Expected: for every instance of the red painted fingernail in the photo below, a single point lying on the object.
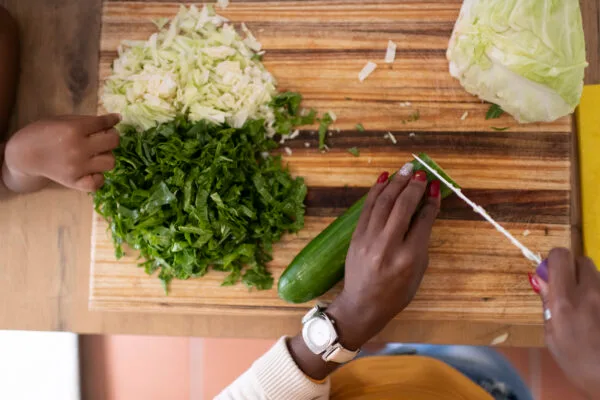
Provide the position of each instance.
(420, 176)
(534, 283)
(383, 177)
(434, 189)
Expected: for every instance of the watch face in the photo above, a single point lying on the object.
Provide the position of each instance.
(318, 333)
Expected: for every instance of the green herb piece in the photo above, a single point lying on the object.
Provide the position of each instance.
(194, 196)
(289, 114)
(348, 98)
(414, 116)
(354, 151)
(326, 122)
(500, 129)
(360, 127)
(495, 111)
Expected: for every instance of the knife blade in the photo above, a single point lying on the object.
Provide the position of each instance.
(530, 255)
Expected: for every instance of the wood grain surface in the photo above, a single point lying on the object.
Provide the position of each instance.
(521, 175)
(45, 240)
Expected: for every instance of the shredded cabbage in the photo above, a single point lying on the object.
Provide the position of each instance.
(527, 56)
(198, 66)
(390, 54)
(366, 71)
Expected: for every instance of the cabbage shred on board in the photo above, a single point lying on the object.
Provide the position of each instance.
(527, 56)
(199, 67)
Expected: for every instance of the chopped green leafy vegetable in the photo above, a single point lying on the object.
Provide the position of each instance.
(414, 116)
(288, 114)
(495, 111)
(193, 196)
(326, 121)
(354, 151)
(360, 127)
(500, 129)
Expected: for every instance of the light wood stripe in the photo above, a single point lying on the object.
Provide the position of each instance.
(486, 274)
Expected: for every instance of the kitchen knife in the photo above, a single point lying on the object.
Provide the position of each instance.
(530, 255)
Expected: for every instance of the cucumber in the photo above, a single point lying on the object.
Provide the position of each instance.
(320, 265)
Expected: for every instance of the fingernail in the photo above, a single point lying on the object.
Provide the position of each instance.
(383, 177)
(534, 283)
(420, 176)
(407, 169)
(434, 189)
(542, 270)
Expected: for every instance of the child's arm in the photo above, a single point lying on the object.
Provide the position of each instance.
(9, 68)
(73, 151)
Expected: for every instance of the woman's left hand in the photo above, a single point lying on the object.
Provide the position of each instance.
(386, 261)
(388, 255)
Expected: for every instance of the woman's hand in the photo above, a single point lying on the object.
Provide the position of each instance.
(388, 255)
(73, 151)
(385, 263)
(573, 332)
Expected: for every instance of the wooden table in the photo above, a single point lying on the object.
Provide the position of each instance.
(44, 245)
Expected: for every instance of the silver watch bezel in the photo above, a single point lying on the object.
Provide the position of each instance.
(317, 312)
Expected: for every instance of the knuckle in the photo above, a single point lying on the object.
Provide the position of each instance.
(594, 298)
(115, 140)
(386, 199)
(97, 185)
(560, 252)
(407, 259)
(74, 152)
(362, 252)
(405, 207)
(429, 211)
(376, 259)
(69, 129)
(563, 306)
(582, 260)
(111, 162)
(72, 169)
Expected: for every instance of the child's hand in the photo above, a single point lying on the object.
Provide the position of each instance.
(73, 151)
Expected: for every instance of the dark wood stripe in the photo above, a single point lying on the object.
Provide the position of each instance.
(281, 29)
(543, 206)
(349, 54)
(514, 144)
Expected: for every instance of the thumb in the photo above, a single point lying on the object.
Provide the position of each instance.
(89, 183)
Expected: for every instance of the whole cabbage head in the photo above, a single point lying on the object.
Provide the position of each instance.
(527, 56)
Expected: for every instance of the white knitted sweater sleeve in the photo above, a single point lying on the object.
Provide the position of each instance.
(275, 376)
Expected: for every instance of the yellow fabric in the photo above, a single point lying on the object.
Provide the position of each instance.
(402, 378)
(588, 124)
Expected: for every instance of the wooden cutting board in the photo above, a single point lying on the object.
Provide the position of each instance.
(521, 175)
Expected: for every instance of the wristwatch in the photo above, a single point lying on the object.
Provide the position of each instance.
(321, 337)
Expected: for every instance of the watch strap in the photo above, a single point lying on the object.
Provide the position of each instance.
(338, 354)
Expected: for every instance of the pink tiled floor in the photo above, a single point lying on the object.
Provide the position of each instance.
(154, 368)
